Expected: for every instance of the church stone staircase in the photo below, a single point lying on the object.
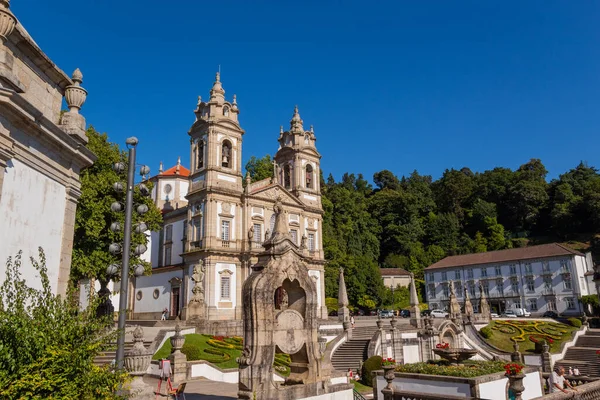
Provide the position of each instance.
(583, 354)
(353, 353)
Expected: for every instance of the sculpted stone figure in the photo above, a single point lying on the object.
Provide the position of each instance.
(198, 278)
(251, 232)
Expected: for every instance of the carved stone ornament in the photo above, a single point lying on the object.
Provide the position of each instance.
(75, 95)
(226, 207)
(198, 278)
(7, 20)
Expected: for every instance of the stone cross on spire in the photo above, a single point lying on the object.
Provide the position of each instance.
(296, 122)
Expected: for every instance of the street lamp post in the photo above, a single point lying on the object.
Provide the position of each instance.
(115, 248)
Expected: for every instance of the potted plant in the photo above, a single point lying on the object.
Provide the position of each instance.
(388, 365)
(515, 375)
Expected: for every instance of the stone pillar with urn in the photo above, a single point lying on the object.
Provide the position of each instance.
(137, 361)
(177, 358)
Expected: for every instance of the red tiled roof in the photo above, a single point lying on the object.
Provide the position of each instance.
(500, 256)
(183, 171)
(393, 272)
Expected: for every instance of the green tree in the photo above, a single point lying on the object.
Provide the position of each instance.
(260, 168)
(528, 194)
(94, 216)
(47, 346)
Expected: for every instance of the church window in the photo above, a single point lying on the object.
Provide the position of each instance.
(294, 235)
(225, 287)
(196, 227)
(169, 233)
(309, 176)
(306, 139)
(167, 255)
(225, 230)
(287, 176)
(226, 111)
(185, 227)
(201, 154)
(226, 154)
(311, 242)
(257, 233)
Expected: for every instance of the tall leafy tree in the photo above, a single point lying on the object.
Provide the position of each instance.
(94, 216)
(260, 168)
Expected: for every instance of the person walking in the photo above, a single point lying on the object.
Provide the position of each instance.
(164, 314)
(352, 321)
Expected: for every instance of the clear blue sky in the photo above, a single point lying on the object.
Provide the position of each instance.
(396, 85)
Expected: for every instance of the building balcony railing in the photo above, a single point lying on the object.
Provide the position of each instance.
(225, 243)
(196, 244)
(198, 185)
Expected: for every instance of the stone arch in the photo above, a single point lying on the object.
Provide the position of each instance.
(450, 333)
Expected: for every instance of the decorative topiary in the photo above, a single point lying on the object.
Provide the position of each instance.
(576, 322)
(486, 332)
(191, 351)
(372, 364)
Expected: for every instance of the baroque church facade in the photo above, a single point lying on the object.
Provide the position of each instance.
(216, 220)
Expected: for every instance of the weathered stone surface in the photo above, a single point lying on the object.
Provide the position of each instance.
(280, 315)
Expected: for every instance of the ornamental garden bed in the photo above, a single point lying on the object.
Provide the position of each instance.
(222, 351)
(504, 333)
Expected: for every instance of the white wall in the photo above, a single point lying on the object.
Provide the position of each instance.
(496, 390)
(147, 285)
(84, 293)
(427, 386)
(32, 209)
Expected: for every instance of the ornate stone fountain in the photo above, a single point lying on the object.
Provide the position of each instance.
(455, 355)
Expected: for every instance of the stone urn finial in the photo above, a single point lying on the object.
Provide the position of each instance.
(138, 358)
(75, 95)
(177, 340)
(7, 20)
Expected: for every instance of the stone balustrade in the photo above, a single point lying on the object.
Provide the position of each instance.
(587, 391)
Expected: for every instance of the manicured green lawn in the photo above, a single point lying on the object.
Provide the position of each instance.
(201, 343)
(506, 332)
(219, 351)
(362, 389)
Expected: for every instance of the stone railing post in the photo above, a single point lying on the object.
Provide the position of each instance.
(137, 360)
(177, 358)
(388, 374)
(516, 355)
(546, 358)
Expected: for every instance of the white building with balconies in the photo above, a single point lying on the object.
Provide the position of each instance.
(549, 277)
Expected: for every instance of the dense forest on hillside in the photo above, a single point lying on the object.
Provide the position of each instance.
(412, 221)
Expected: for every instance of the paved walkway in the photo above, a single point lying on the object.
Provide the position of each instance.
(201, 389)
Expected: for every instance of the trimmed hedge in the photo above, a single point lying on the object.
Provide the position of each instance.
(191, 351)
(576, 322)
(372, 364)
(486, 332)
(470, 369)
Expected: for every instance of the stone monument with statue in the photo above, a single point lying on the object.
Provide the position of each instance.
(280, 316)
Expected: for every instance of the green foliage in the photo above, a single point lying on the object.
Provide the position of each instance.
(469, 369)
(47, 346)
(591, 299)
(486, 332)
(94, 216)
(191, 351)
(260, 168)
(372, 364)
(331, 303)
(576, 322)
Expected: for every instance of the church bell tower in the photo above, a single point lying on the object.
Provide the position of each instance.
(298, 162)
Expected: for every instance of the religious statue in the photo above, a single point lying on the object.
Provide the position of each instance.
(198, 278)
(225, 156)
(267, 234)
(303, 242)
(451, 284)
(251, 233)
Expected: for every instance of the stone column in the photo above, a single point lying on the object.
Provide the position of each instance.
(72, 194)
(137, 361)
(177, 358)
(397, 342)
(343, 311)
(415, 310)
(546, 358)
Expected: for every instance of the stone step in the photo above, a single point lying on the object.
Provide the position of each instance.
(588, 341)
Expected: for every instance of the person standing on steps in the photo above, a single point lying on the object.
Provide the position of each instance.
(164, 314)
(352, 321)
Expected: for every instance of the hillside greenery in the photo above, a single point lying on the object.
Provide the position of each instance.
(413, 221)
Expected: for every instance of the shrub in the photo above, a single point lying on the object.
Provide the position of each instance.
(191, 351)
(576, 322)
(468, 370)
(372, 364)
(47, 345)
(486, 332)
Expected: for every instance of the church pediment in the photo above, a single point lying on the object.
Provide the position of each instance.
(274, 191)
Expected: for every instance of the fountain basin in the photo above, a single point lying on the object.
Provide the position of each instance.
(455, 355)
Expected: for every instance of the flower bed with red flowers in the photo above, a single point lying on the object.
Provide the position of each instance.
(513, 369)
(442, 345)
(388, 361)
(530, 334)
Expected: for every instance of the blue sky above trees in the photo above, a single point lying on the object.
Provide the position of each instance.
(388, 85)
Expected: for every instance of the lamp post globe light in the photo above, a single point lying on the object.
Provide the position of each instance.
(125, 249)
